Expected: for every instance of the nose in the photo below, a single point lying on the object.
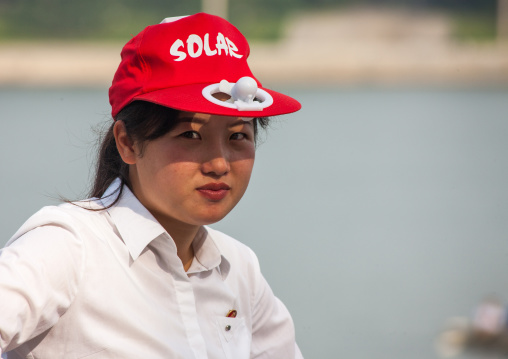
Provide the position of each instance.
(216, 162)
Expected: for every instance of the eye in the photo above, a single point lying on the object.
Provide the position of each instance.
(238, 136)
(193, 135)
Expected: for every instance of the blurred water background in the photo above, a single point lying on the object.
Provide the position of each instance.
(378, 212)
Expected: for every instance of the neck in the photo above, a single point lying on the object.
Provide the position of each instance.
(183, 235)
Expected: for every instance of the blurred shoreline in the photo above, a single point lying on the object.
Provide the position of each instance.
(348, 47)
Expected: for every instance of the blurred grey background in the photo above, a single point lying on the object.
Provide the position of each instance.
(379, 212)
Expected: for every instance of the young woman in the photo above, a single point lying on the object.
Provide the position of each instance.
(134, 272)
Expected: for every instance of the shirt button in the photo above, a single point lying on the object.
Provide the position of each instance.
(228, 328)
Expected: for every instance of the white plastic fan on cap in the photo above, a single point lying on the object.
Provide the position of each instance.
(245, 95)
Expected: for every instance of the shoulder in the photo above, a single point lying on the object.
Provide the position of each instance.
(70, 217)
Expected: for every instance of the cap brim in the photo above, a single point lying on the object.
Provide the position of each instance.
(190, 98)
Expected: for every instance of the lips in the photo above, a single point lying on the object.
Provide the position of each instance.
(214, 191)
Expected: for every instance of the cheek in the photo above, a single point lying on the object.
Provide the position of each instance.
(175, 174)
(159, 175)
(164, 161)
(243, 168)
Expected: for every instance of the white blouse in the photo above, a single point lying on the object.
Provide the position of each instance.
(76, 283)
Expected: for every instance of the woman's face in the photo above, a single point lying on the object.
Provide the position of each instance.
(196, 173)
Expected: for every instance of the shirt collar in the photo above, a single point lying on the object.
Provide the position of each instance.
(206, 253)
(138, 227)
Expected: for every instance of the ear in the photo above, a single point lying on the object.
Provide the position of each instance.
(124, 144)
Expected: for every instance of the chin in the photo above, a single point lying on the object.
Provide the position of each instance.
(211, 220)
(212, 217)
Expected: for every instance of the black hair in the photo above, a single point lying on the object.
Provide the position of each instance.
(144, 121)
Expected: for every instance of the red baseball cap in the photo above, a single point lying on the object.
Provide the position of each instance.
(181, 62)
